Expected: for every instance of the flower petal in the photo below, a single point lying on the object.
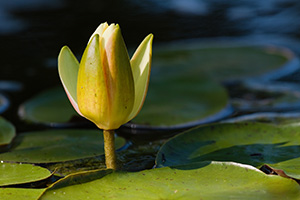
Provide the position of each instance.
(141, 66)
(100, 30)
(120, 79)
(68, 69)
(92, 92)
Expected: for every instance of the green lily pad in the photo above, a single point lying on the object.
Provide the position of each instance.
(282, 118)
(226, 62)
(215, 180)
(51, 107)
(7, 132)
(255, 96)
(57, 146)
(256, 144)
(20, 193)
(13, 173)
(176, 100)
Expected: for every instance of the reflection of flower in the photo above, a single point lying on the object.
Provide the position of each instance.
(106, 87)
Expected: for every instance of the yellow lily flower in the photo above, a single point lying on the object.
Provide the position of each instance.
(106, 87)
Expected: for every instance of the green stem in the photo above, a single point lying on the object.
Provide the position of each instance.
(109, 149)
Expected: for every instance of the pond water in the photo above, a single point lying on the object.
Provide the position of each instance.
(33, 31)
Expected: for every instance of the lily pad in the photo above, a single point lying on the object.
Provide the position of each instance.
(215, 180)
(7, 132)
(177, 100)
(227, 62)
(50, 107)
(13, 173)
(282, 118)
(255, 96)
(20, 193)
(256, 144)
(57, 146)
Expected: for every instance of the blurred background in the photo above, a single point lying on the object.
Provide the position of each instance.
(32, 32)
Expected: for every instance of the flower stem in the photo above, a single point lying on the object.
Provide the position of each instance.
(109, 149)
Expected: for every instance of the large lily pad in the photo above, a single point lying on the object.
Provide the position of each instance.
(226, 62)
(50, 107)
(256, 144)
(185, 99)
(206, 180)
(20, 193)
(282, 118)
(57, 146)
(255, 96)
(7, 132)
(13, 173)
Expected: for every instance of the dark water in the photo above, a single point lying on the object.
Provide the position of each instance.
(33, 31)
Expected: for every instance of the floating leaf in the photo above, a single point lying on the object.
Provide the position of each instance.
(12, 173)
(249, 143)
(20, 193)
(255, 96)
(57, 146)
(282, 118)
(215, 180)
(226, 62)
(182, 100)
(7, 132)
(50, 107)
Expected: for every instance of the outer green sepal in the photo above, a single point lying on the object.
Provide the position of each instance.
(141, 67)
(68, 70)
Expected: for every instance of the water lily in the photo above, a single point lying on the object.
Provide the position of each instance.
(107, 87)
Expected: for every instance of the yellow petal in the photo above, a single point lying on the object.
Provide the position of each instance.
(141, 66)
(68, 69)
(100, 30)
(92, 94)
(119, 75)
